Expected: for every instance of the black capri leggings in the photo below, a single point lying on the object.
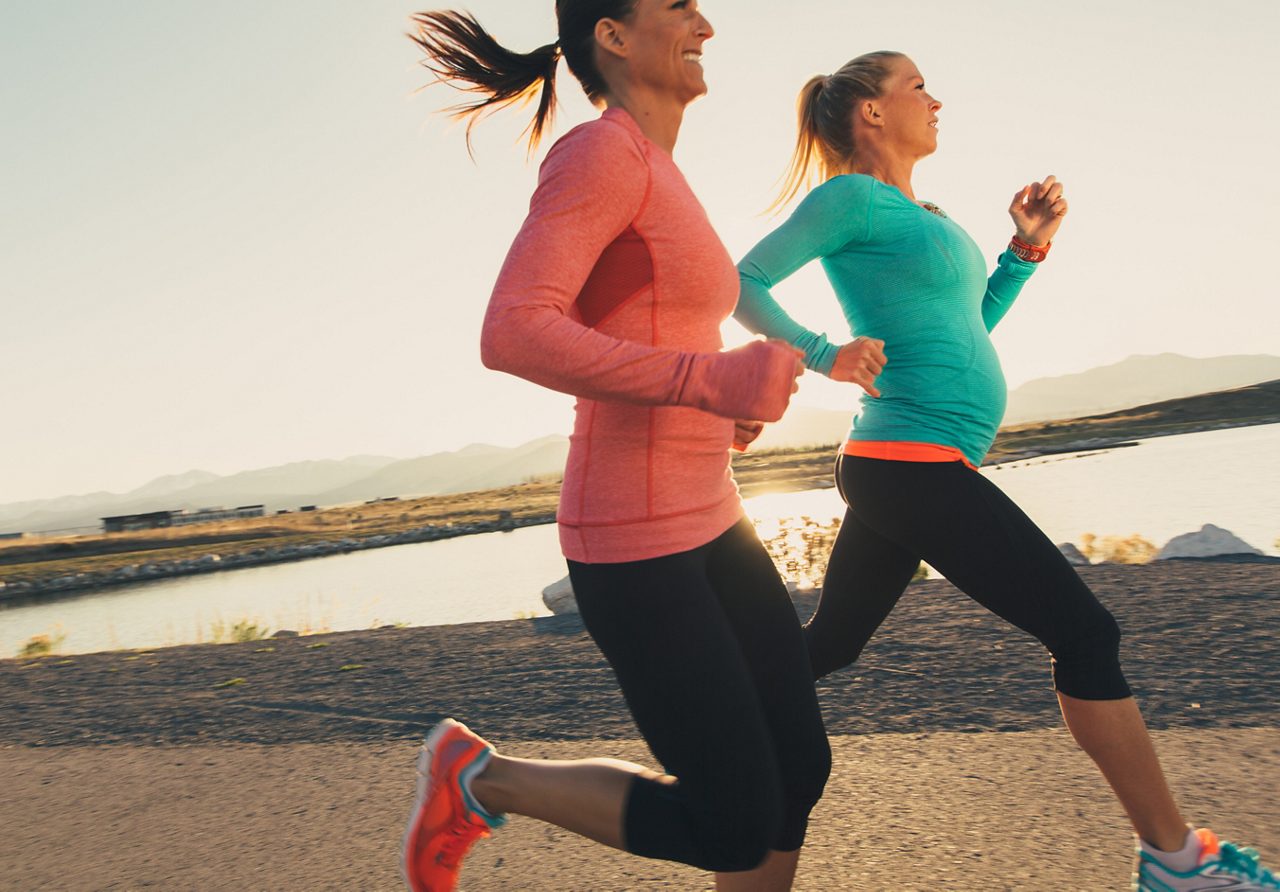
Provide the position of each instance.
(709, 654)
(958, 521)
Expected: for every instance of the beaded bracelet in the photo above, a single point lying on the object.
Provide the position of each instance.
(1029, 253)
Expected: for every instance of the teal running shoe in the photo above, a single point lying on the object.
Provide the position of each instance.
(1222, 866)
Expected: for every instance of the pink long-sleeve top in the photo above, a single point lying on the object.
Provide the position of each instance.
(614, 291)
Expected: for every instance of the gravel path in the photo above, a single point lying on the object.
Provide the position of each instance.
(946, 810)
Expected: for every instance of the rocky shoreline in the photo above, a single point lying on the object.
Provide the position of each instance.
(1209, 542)
(148, 571)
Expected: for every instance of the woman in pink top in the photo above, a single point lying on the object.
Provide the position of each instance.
(614, 291)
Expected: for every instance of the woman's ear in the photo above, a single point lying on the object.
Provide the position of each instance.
(869, 113)
(611, 38)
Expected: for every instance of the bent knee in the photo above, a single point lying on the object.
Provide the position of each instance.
(804, 789)
(732, 852)
(1087, 665)
(739, 835)
(807, 778)
(831, 650)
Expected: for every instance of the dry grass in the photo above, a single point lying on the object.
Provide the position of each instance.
(42, 645)
(360, 519)
(801, 546)
(1132, 549)
(239, 631)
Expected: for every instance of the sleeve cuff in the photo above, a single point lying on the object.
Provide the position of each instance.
(1012, 263)
(825, 359)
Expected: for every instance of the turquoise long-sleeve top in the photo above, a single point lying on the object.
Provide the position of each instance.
(911, 278)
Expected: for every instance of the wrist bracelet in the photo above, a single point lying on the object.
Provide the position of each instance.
(1030, 253)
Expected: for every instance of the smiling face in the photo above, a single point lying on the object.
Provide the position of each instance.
(663, 42)
(909, 114)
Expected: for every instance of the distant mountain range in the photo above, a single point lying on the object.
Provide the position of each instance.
(1134, 381)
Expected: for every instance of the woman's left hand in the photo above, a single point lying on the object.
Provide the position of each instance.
(1037, 211)
(745, 432)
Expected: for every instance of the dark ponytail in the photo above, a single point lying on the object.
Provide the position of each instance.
(459, 52)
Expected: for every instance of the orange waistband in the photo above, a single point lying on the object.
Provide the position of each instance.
(902, 451)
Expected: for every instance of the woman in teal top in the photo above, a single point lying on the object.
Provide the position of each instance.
(918, 283)
(915, 287)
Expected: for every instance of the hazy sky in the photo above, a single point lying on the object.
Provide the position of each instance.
(231, 235)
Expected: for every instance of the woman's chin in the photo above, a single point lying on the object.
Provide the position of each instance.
(696, 90)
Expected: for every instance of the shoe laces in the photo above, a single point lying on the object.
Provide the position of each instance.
(1246, 862)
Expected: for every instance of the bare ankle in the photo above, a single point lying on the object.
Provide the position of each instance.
(491, 787)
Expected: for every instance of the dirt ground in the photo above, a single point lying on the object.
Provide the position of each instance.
(149, 770)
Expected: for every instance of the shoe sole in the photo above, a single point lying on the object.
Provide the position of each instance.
(423, 770)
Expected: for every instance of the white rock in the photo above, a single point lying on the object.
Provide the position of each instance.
(1210, 541)
(1073, 555)
(558, 597)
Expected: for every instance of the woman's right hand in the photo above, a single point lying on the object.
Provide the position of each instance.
(753, 381)
(859, 362)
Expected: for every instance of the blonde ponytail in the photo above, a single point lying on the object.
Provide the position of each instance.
(807, 155)
(824, 113)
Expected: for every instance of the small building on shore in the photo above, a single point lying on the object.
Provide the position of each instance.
(159, 520)
(152, 520)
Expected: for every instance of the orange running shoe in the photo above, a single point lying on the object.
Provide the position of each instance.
(445, 819)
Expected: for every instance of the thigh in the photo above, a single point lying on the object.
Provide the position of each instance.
(680, 667)
(866, 575)
(976, 536)
(759, 610)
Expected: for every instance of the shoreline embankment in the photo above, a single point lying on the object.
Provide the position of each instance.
(154, 571)
(534, 504)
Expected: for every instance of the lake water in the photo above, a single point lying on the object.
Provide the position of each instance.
(1160, 489)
